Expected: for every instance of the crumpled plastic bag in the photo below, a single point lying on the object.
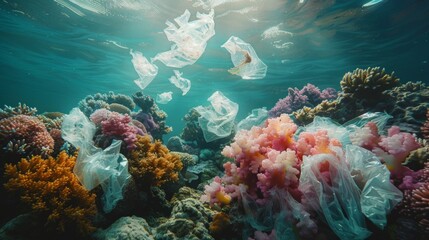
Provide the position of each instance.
(190, 39)
(164, 98)
(379, 118)
(245, 60)
(95, 166)
(146, 70)
(217, 120)
(333, 194)
(180, 82)
(334, 129)
(379, 196)
(256, 118)
(281, 212)
(77, 129)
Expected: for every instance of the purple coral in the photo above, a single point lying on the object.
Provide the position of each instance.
(309, 95)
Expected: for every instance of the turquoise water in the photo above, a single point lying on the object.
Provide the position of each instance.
(54, 53)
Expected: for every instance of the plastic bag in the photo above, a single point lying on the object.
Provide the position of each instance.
(379, 118)
(245, 60)
(334, 129)
(379, 195)
(217, 120)
(95, 166)
(164, 98)
(180, 82)
(190, 39)
(146, 70)
(329, 189)
(77, 129)
(256, 118)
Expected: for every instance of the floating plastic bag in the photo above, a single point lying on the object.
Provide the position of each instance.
(379, 195)
(146, 70)
(334, 129)
(180, 82)
(95, 166)
(164, 98)
(217, 120)
(77, 129)
(245, 60)
(190, 39)
(328, 188)
(256, 118)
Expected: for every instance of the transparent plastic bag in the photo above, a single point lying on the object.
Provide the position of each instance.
(77, 129)
(379, 196)
(164, 98)
(379, 118)
(146, 70)
(190, 39)
(329, 189)
(245, 60)
(95, 166)
(334, 129)
(217, 120)
(180, 82)
(256, 118)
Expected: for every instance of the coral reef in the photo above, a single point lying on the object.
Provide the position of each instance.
(21, 109)
(373, 90)
(152, 164)
(367, 84)
(104, 100)
(25, 135)
(151, 116)
(50, 188)
(192, 133)
(392, 149)
(308, 96)
(189, 218)
(126, 228)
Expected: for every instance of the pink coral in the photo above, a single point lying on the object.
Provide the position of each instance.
(118, 125)
(29, 131)
(391, 149)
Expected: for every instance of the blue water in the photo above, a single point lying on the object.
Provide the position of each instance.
(52, 56)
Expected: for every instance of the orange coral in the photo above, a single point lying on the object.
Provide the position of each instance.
(50, 188)
(220, 224)
(152, 163)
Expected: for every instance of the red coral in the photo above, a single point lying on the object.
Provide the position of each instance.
(29, 131)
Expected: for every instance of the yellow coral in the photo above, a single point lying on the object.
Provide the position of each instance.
(152, 163)
(49, 187)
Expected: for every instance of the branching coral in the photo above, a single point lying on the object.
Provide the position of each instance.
(50, 188)
(21, 109)
(367, 83)
(27, 134)
(152, 164)
(309, 96)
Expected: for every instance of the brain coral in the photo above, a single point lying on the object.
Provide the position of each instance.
(50, 188)
(152, 163)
